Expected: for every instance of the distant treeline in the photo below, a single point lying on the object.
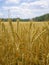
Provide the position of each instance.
(42, 18)
(14, 19)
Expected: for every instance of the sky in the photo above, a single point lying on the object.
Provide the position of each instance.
(23, 8)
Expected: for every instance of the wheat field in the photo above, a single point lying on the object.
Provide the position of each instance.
(24, 43)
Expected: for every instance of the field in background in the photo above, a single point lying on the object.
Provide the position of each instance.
(24, 43)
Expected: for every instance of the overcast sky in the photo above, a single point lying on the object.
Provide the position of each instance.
(23, 8)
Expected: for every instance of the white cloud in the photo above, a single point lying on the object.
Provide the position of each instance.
(19, 11)
(42, 3)
(12, 1)
(1, 14)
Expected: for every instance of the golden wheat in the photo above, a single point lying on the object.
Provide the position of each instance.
(24, 43)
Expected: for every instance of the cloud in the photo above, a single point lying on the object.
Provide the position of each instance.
(18, 11)
(1, 14)
(40, 3)
(12, 1)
